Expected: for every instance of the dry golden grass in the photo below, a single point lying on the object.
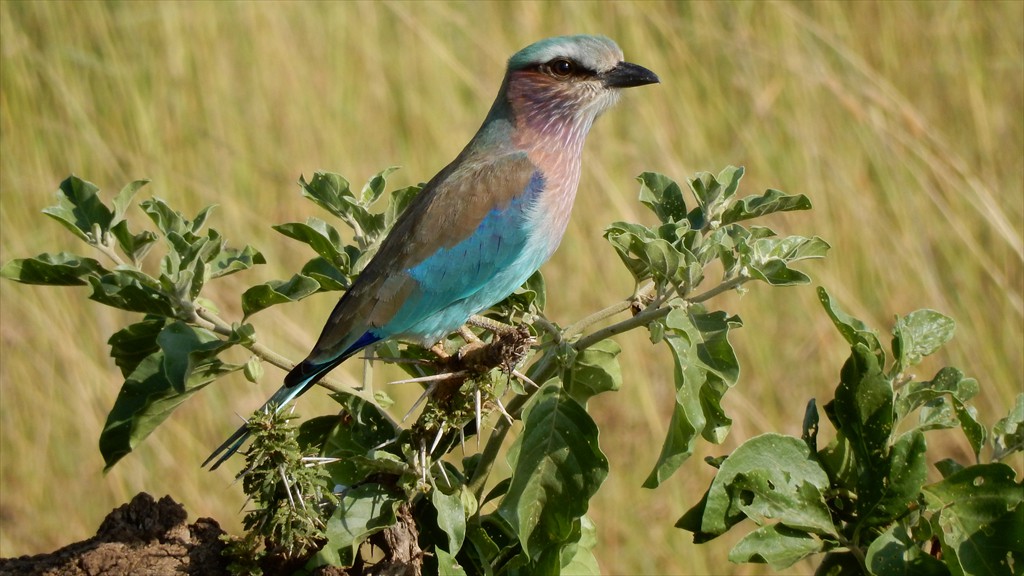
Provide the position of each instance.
(902, 121)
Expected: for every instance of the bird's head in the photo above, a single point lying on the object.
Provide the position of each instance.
(563, 83)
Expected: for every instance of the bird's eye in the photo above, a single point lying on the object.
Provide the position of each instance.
(561, 68)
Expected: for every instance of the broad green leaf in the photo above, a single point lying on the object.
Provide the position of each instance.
(705, 368)
(329, 191)
(375, 186)
(919, 334)
(447, 565)
(938, 411)
(852, 329)
(578, 557)
(167, 220)
(948, 381)
(321, 237)
(887, 490)
(328, 276)
(978, 515)
(778, 546)
(358, 439)
(185, 348)
(800, 506)
(125, 291)
(688, 419)
(776, 273)
(662, 259)
(714, 350)
(451, 517)
(789, 249)
(663, 196)
(275, 292)
(1008, 433)
(713, 194)
(629, 240)
(60, 269)
(770, 202)
(79, 209)
(136, 246)
(124, 199)
(863, 405)
(400, 200)
(596, 370)
(895, 553)
(769, 477)
(133, 344)
(231, 260)
(361, 512)
(556, 469)
(151, 392)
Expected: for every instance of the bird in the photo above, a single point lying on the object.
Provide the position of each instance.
(487, 221)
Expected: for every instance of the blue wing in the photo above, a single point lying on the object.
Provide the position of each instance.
(461, 246)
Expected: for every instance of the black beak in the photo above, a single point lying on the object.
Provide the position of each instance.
(627, 75)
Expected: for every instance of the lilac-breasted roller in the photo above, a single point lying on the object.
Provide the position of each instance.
(487, 221)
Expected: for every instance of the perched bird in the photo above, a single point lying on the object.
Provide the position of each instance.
(480, 227)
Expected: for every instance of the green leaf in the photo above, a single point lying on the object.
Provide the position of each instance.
(61, 269)
(919, 334)
(888, 491)
(375, 186)
(789, 249)
(688, 419)
(167, 220)
(124, 199)
(231, 260)
(629, 241)
(713, 194)
(127, 291)
(705, 368)
(663, 196)
(321, 237)
(895, 553)
(332, 192)
(133, 344)
(451, 517)
(768, 203)
(356, 440)
(852, 329)
(136, 246)
(328, 276)
(769, 477)
(578, 557)
(329, 191)
(978, 514)
(361, 512)
(79, 209)
(400, 200)
(778, 546)
(937, 412)
(557, 468)
(275, 292)
(159, 383)
(185, 348)
(662, 259)
(596, 370)
(447, 565)
(1008, 433)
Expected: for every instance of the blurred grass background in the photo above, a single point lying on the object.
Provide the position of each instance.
(903, 121)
